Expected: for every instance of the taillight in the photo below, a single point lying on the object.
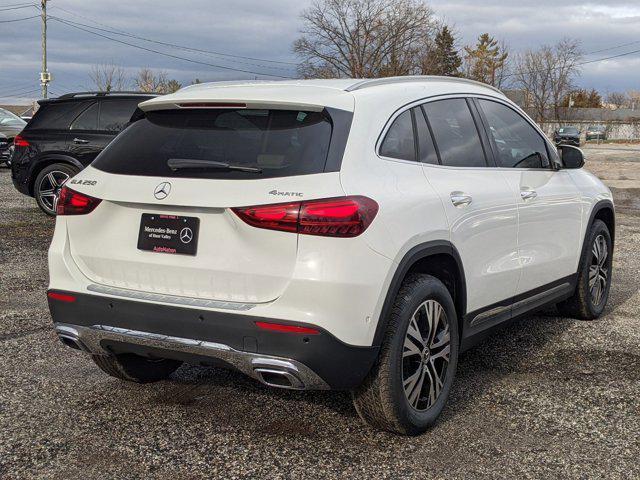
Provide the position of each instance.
(71, 202)
(330, 217)
(19, 141)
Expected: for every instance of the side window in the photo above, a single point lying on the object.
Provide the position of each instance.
(87, 120)
(56, 115)
(455, 133)
(518, 144)
(399, 141)
(426, 149)
(115, 114)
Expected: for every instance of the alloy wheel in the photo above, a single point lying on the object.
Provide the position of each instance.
(425, 356)
(49, 189)
(598, 269)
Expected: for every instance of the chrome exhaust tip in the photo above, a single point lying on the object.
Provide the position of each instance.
(279, 379)
(70, 337)
(277, 373)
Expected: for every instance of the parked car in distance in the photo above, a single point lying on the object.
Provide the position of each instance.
(567, 136)
(596, 132)
(325, 234)
(64, 136)
(10, 126)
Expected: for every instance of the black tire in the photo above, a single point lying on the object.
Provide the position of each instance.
(583, 304)
(51, 178)
(381, 401)
(134, 368)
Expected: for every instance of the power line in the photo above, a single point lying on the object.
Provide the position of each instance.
(173, 45)
(17, 95)
(211, 52)
(27, 5)
(65, 22)
(19, 19)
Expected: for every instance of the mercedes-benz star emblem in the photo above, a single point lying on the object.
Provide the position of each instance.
(186, 235)
(162, 191)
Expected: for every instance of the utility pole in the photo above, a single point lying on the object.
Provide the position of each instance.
(45, 76)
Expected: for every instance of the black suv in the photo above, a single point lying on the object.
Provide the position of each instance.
(64, 136)
(567, 136)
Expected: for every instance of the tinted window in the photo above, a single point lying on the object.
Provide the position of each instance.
(279, 142)
(87, 120)
(399, 142)
(455, 133)
(518, 143)
(115, 114)
(56, 115)
(426, 149)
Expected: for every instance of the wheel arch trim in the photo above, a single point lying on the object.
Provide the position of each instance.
(598, 207)
(414, 255)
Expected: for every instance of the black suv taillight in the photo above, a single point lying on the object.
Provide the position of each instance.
(330, 217)
(71, 202)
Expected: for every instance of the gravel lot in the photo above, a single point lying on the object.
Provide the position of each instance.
(545, 397)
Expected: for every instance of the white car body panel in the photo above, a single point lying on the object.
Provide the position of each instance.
(338, 284)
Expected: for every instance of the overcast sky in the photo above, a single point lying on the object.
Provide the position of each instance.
(265, 29)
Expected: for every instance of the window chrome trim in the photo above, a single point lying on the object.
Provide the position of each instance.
(505, 101)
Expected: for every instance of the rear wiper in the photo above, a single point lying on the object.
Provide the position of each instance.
(188, 163)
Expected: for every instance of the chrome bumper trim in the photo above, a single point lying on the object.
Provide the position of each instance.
(89, 339)
(175, 299)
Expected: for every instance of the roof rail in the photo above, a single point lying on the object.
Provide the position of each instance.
(372, 82)
(103, 94)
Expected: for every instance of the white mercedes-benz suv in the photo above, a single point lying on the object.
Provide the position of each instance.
(325, 234)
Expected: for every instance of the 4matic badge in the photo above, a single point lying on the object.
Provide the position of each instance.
(285, 194)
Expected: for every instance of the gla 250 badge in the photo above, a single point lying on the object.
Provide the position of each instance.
(79, 181)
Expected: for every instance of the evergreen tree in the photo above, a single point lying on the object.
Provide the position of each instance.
(443, 58)
(486, 60)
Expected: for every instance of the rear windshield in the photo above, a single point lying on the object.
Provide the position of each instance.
(279, 143)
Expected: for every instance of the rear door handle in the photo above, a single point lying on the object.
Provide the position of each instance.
(460, 199)
(528, 194)
(80, 141)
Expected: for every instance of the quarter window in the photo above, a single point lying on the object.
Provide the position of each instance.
(116, 114)
(399, 141)
(455, 133)
(87, 120)
(517, 143)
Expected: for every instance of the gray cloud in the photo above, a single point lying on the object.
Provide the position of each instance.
(266, 29)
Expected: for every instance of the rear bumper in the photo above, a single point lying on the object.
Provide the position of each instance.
(106, 325)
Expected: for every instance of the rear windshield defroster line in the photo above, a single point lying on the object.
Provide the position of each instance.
(272, 143)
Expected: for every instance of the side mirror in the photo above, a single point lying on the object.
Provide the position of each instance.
(571, 157)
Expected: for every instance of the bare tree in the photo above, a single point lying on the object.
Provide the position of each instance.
(617, 100)
(108, 77)
(548, 74)
(364, 38)
(149, 81)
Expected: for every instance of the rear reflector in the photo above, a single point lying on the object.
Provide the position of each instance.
(330, 217)
(279, 327)
(62, 297)
(19, 141)
(71, 202)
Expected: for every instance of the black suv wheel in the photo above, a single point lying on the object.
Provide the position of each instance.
(48, 184)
